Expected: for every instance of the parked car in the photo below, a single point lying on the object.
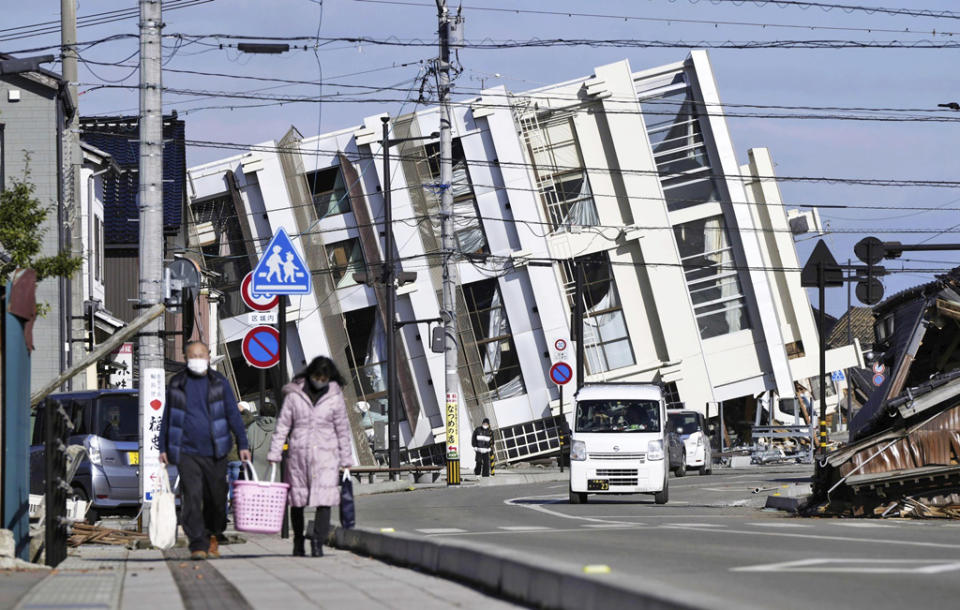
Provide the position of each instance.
(691, 430)
(107, 424)
(676, 453)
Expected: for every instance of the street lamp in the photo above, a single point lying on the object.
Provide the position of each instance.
(25, 64)
(387, 276)
(950, 105)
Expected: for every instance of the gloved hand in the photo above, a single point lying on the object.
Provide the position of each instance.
(346, 474)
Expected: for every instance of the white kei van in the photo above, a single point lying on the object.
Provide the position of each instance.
(618, 441)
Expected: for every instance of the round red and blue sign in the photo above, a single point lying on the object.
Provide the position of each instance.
(261, 347)
(257, 302)
(561, 373)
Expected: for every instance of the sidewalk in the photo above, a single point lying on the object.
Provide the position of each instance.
(257, 574)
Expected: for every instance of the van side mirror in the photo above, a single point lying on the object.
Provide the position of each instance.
(680, 430)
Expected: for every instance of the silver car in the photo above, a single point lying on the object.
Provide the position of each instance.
(106, 423)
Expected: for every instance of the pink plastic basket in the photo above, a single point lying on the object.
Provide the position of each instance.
(258, 506)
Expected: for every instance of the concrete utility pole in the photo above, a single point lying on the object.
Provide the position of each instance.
(150, 362)
(448, 245)
(70, 230)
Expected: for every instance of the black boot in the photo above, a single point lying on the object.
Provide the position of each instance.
(316, 547)
(298, 550)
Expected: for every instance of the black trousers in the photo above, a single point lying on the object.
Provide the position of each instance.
(321, 523)
(203, 499)
(482, 467)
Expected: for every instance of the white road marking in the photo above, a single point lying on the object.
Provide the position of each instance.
(552, 530)
(605, 525)
(777, 524)
(693, 525)
(862, 524)
(938, 545)
(858, 566)
(541, 509)
(522, 528)
(441, 530)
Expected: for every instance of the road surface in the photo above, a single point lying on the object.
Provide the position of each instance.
(711, 542)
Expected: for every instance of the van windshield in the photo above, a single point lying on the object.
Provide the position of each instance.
(117, 418)
(684, 423)
(618, 416)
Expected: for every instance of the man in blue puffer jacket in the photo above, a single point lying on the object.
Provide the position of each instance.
(195, 435)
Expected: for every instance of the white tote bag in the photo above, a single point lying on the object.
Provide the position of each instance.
(163, 515)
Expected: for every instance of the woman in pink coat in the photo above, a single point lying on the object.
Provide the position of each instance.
(315, 418)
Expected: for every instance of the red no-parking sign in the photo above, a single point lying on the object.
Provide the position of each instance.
(261, 347)
(257, 302)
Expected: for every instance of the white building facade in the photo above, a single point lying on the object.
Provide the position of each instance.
(687, 254)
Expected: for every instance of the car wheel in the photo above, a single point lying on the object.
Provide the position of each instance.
(79, 493)
(663, 496)
(681, 470)
(706, 469)
(577, 497)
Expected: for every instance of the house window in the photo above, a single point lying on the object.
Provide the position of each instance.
(227, 255)
(97, 248)
(712, 277)
(467, 228)
(346, 258)
(673, 127)
(329, 192)
(491, 330)
(606, 342)
(561, 177)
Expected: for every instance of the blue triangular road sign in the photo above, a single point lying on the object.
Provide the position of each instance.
(280, 269)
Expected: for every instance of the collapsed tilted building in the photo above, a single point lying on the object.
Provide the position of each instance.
(904, 449)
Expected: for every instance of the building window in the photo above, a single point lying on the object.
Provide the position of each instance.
(227, 255)
(561, 177)
(367, 355)
(673, 127)
(712, 277)
(467, 228)
(346, 258)
(671, 395)
(794, 350)
(97, 247)
(606, 342)
(491, 330)
(329, 192)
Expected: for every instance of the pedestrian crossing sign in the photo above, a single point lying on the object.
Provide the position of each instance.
(281, 269)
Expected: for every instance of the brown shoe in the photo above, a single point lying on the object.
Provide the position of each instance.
(214, 551)
(198, 555)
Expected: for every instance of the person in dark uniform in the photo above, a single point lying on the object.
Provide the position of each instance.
(483, 445)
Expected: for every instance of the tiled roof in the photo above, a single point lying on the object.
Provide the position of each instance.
(861, 324)
(118, 136)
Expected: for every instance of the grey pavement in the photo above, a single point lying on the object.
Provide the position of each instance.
(261, 570)
(713, 539)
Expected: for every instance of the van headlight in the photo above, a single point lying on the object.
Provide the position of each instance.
(93, 451)
(578, 451)
(655, 450)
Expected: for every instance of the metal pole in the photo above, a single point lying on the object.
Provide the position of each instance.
(151, 200)
(822, 428)
(448, 247)
(562, 436)
(393, 414)
(282, 328)
(849, 342)
(578, 319)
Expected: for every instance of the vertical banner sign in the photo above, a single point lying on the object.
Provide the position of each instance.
(154, 386)
(123, 378)
(453, 433)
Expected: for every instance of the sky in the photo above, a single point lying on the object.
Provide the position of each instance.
(898, 78)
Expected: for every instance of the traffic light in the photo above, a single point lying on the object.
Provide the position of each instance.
(871, 251)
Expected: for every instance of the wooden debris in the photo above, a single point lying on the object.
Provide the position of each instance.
(94, 534)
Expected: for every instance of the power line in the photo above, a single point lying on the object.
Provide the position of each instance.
(667, 20)
(847, 8)
(53, 27)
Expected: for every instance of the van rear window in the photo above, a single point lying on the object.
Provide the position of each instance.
(618, 416)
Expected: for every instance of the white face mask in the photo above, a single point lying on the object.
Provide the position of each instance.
(198, 366)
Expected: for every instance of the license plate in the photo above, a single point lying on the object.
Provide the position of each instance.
(133, 458)
(598, 485)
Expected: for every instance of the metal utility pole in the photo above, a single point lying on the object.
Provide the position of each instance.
(849, 342)
(448, 246)
(150, 361)
(70, 231)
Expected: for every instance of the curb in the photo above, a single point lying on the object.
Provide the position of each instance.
(539, 582)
